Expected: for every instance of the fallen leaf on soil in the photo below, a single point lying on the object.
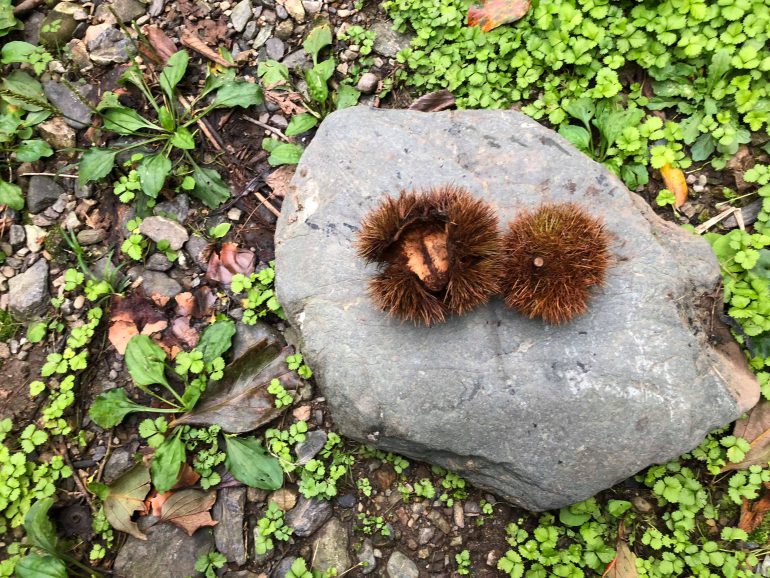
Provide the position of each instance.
(185, 303)
(192, 41)
(180, 327)
(122, 329)
(624, 563)
(676, 183)
(280, 178)
(155, 327)
(162, 44)
(755, 429)
(155, 501)
(240, 402)
(494, 13)
(229, 261)
(133, 315)
(204, 302)
(125, 497)
(189, 509)
(752, 513)
(434, 101)
(289, 102)
(740, 162)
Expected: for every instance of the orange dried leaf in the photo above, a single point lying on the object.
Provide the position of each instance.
(120, 333)
(189, 509)
(494, 13)
(192, 41)
(624, 563)
(676, 183)
(753, 513)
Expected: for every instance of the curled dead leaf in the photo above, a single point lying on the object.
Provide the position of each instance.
(189, 509)
(229, 261)
(124, 497)
(434, 101)
(755, 429)
(676, 183)
(753, 513)
(624, 563)
(192, 41)
(163, 45)
(494, 13)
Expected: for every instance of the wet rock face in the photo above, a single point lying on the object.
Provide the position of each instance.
(543, 415)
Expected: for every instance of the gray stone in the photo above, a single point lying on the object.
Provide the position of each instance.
(42, 192)
(543, 415)
(314, 443)
(247, 336)
(281, 12)
(91, 236)
(168, 552)
(128, 10)
(28, 292)
(297, 60)
(264, 34)
(387, 41)
(73, 109)
(158, 262)
(156, 7)
(284, 30)
(312, 7)
(399, 566)
(177, 208)
(164, 229)
(156, 283)
(199, 250)
(228, 533)
(57, 133)
(118, 463)
(110, 46)
(283, 567)
(366, 557)
(367, 84)
(241, 14)
(330, 548)
(16, 235)
(105, 269)
(275, 48)
(424, 535)
(308, 515)
(241, 574)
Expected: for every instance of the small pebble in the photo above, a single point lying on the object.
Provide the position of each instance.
(234, 214)
(79, 302)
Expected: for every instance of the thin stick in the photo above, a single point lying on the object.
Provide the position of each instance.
(204, 126)
(268, 205)
(100, 471)
(267, 127)
(48, 175)
(703, 227)
(78, 482)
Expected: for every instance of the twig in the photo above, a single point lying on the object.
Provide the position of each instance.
(78, 482)
(267, 127)
(204, 126)
(48, 175)
(99, 472)
(26, 6)
(268, 205)
(703, 227)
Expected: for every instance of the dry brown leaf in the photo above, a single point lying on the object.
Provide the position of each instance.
(185, 303)
(434, 101)
(204, 302)
(289, 102)
(162, 44)
(192, 41)
(280, 178)
(180, 327)
(155, 501)
(624, 563)
(741, 161)
(494, 13)
(755, 429)
(154, 327)
(752, 513)
(676, 183)
(120, 333)
(125, 497)
(189, 509)
(229, 261)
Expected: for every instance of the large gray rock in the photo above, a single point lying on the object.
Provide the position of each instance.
(228, 533)
(28, 292)
(543, 415)
(330, 548)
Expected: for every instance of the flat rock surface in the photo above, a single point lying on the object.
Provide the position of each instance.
(543, 415)
(28, 292)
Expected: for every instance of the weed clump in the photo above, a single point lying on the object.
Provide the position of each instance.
(552, 256)
(440, 251)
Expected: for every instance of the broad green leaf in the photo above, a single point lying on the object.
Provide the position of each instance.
(239, 402)
(124, 497)
(173, 72)
(220, 230)
(238, 93)
(270, 144)
(183, 139)
(109, 408)
(582, 109)
(16, 51)
(720, 65)
(634, 175)
(11, 195)
(165, 118)
(248, 462)
(209, 187)
(300, 123)
(703, 147)
(37, 332)
(318, 38)
(153, 171)
(28, 151)
(577, 135)
(273, 73)
(346, 96)
(570, 518)
(316, 86)
(39, 528)
(96, 164)
(123, 120)
(145, 361)
(325, 69)
(166, 463)
(29, 90)
(285, 154)
(216, 339)
(35, 566)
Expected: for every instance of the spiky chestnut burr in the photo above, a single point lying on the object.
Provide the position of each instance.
(552, 256)
(439, 251)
